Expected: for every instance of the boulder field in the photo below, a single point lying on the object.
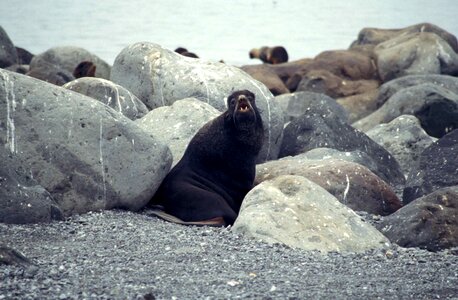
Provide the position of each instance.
(365, 131)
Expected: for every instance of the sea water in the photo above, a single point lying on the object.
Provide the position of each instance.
(214, 30)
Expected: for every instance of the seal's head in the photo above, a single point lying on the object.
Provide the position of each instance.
(242, 109)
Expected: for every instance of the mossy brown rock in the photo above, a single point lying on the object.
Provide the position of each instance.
(268, 76)
(352, 184)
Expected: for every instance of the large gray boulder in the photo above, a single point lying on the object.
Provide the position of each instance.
(8, 54)
(294, 211)
(176, 125)
(415, 53)
(159, 77)
(375, 36)
(85, 154)
(297, 104)
(404, 138)
(22, 199)
(111, 94)
(68, 58)
(51, 73)
(436, 107)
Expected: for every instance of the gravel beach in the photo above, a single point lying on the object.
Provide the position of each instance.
(126, 255)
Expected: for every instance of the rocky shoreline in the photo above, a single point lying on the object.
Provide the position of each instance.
(359, 159)
(125, 255)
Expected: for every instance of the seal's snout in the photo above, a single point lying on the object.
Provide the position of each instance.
(243, 104)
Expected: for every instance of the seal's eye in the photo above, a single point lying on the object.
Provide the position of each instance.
(232, 101)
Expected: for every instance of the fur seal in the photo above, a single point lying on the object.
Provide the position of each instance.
(180, 50)
(217, 170)
(270, 55)
(84, 69)
(185, 52)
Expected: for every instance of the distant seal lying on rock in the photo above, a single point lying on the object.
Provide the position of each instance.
(270, 55)
(185, 52)
(207, 186)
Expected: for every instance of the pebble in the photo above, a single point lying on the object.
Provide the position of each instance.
(206, 263)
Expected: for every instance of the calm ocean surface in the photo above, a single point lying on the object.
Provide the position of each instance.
(225, 29)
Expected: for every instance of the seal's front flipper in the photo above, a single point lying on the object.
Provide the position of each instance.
(160, 213)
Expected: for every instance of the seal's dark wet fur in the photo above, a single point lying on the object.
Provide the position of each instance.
(218, 167)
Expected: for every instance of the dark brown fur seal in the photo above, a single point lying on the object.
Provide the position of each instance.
(84, 69)
(270, 55)
(180, 50)
(185, 52)
(218, 167)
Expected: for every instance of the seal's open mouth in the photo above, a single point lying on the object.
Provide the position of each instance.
(243, 107)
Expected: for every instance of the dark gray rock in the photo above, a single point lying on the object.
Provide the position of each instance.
(297, 104)
(51, 73)
(299, 213)
(390, 88)
(404, 138)
(352, 184)
(22, 199)
(158, 77)
(24, 56)
(313, 131)
(436, 107)
(68, 58)
(415, 53)
(176, 125)
(111, 94)
(88, 156)
(437, 168)
(429, 222)
(8, 54)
